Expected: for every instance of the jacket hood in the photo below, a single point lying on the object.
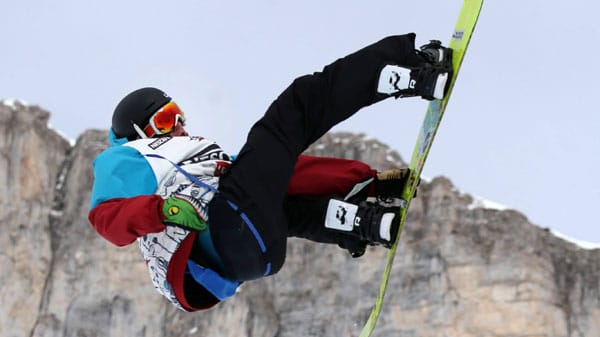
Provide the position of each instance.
(113, 140)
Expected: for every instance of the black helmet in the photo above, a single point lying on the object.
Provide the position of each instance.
(137, 107)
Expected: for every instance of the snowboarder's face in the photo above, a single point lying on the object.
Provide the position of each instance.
(179, 130)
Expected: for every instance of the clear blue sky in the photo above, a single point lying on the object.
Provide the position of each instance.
(521, 128)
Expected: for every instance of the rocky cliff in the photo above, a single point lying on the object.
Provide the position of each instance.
(461, 269)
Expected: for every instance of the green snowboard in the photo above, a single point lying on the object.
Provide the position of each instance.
(465, 25)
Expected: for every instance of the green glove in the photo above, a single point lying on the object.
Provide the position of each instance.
(182, 213)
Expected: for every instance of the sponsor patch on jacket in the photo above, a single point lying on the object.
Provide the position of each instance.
(159, 142)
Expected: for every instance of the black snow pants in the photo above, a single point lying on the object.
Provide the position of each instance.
(248, 224)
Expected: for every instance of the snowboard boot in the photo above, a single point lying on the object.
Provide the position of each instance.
(370, 222)
(430, 79)
(390, 183)
(356, 248)
(378, 225)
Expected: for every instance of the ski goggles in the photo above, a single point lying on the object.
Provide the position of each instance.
(164, 120)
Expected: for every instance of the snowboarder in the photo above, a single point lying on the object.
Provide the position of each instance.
(206, 222)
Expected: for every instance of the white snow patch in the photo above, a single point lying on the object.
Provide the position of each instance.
(482, 203)
(12, 102)
(56, 213)
(479, 202)
(580, 243)
(70, 140)
(338, 140)
(193, 330)
(366, 138)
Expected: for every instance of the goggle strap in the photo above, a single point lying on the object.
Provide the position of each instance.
(139, 131)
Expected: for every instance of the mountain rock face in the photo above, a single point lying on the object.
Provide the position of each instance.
(461, 270)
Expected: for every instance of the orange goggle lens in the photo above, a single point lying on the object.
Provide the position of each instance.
(164, 120)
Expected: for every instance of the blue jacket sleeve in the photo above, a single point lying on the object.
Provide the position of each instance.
(121, 172)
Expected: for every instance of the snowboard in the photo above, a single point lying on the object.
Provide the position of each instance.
(459, 42)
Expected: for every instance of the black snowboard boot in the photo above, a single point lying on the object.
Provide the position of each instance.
(430, 79)
(372, 223)
(390, 183)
